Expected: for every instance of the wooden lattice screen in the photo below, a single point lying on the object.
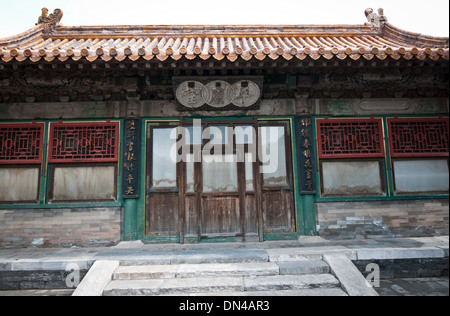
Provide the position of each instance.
(83, 142)
(21, 143)
(350, 138)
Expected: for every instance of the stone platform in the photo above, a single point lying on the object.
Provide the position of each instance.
(307, 266)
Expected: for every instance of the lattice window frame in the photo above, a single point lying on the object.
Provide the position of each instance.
(56, 142)
(424, 150)
(353, 152)
(19, 139)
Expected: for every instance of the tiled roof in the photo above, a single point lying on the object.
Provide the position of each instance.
(221, 43)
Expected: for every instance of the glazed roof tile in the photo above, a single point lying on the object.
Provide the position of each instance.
(229, 42)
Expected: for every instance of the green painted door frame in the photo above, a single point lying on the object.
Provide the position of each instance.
(134, 209)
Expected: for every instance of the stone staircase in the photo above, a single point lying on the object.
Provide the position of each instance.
(230, 273)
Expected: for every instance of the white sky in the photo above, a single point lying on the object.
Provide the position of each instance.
(430, 17)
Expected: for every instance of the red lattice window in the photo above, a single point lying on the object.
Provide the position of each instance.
(419, 137)
(21, 143)
(350, 138)
(83, 142)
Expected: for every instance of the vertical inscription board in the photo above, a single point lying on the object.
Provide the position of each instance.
(306, 158)
(131, 159)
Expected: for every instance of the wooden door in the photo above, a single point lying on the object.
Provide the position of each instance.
(277, 177)
(221, 187)
(162, 198)
(220, 190)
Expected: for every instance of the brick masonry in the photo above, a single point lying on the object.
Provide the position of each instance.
(60, 227)
(406, 218)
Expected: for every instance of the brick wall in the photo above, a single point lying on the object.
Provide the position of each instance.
(411, 218)
(60, 227)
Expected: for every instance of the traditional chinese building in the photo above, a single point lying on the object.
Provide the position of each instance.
(222, 133)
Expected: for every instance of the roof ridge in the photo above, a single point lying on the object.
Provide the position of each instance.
(49, 40)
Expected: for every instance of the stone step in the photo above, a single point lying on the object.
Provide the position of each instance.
(186, 286)
(195, 270)
(133, 258)
(302, 292)
(307, 253)
(303, 267)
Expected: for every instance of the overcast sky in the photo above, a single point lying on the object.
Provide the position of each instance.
(430, 17)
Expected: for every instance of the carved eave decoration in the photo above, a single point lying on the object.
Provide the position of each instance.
(49, 22)
(52, 62)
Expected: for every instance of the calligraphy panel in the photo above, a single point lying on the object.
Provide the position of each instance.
(306, 157)
(131, 159)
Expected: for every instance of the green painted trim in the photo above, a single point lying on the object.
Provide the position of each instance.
(161, 240)
(58, 206)
(389, 177)
(130, 230)
(140, 214)
(44, 167)
(300, 211)
(45, 173)
(281, 236)
(389, 181)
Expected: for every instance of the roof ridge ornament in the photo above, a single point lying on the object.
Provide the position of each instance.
(375, 20)
(49, 21)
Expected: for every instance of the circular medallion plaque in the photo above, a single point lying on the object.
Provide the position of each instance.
(190, 94)
(246, 93)
(218, 94)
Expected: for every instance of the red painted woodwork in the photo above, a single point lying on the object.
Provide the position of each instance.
(83, 142)
(350, 138)
(21, 143)
(419, 137)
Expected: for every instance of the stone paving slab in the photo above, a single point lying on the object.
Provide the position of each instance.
(52, 258)
(399, 253)
(307, 253)
(414, 287)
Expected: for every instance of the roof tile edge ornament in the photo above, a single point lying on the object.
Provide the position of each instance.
(49, 22)
(374, 20)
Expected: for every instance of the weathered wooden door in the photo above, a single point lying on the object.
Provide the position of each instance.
(229, 179)
(220, 171)
(277, 177)
(163, 185)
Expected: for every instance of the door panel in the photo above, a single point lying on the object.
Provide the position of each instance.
(191, 216)
(220, 216)
(162, 217)
(277, 209)
(251, 215)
